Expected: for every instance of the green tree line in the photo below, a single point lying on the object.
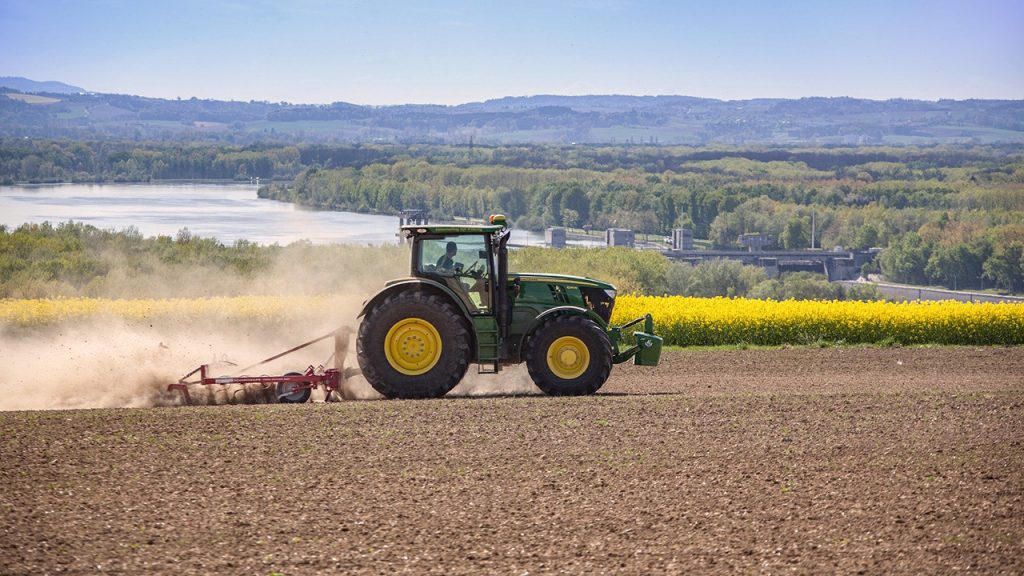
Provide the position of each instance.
(941, 213)
(38, 161)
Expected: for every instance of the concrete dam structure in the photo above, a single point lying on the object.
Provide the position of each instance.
(835, 264)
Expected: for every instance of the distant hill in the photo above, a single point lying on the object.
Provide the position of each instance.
(541, 119)
(25, 85)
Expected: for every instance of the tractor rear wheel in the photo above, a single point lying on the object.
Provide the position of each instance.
(569, 356)
(413, 345)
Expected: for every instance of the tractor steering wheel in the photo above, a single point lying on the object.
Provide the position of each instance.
(474, 270)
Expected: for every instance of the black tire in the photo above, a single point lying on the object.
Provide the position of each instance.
(285, 394)
(593, 374)
(451, 361)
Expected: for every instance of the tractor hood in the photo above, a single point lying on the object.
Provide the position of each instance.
(547, 290)
(580, 281)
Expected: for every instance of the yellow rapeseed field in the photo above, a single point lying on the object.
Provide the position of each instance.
(681, 321)
(715, 321)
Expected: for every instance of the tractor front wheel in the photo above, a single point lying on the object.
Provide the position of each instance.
(413, 345)
(569, 356)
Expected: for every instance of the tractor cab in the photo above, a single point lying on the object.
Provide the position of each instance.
(464, 262)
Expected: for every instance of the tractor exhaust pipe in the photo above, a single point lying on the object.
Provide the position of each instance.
(502, 309)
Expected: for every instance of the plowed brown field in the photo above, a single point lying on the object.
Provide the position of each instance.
(879, 460)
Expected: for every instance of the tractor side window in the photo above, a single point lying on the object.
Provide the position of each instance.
(462, 264)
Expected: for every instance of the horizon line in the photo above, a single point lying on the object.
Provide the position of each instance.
(506, 97)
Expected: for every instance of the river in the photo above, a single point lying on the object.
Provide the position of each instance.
(227, 212)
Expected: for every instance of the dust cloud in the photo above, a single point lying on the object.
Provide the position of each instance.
(297, 269)
(511, 381)
(113, 364)
(108, 362)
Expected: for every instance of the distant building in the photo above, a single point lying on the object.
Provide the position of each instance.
(555, 237)
(755, 242)
(407, 217)
(682, 239)
(620, 237)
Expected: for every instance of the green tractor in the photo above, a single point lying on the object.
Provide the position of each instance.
(460, 305)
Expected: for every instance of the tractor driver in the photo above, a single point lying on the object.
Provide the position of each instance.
(447, 262)
(447, 266)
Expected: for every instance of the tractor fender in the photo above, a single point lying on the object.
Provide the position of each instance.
(417, 283)
(560, 311)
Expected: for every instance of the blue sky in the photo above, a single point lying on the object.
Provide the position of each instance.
(455, 51)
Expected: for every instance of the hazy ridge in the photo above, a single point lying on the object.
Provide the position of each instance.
(63, 111)
(25, 85)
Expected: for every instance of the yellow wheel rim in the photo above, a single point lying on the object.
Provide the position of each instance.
(413, 346)
(568, 357)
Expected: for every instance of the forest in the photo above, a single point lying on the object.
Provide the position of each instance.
(948, 215)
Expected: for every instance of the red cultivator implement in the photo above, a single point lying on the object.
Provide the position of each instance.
(293, 387)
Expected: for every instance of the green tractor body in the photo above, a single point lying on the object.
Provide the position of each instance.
(460, 306)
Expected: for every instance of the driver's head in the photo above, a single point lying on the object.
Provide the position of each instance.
(451, 249)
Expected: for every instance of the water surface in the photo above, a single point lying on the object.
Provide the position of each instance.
(227, 212)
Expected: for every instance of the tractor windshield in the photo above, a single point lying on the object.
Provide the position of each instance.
(462, 263)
